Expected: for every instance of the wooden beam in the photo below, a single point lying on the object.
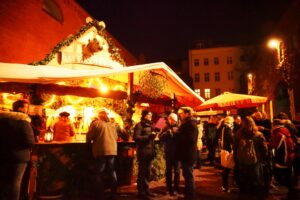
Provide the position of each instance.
(10, 87)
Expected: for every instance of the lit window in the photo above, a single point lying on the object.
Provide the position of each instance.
(216, 60)
(229, 60)
(197, 91)
(53, 9)
(206, 77)
(196, 62)
(197, 77)
(207, 93)
(206, 61)
(217, 76)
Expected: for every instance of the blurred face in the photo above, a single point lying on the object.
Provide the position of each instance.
(103, 116)
(148, 116)
(24, 109)
(258, 115)
(238, 120)
(183, 115)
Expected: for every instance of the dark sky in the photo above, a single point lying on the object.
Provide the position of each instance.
(164, 30)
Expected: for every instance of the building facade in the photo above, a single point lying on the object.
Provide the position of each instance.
(29, 31)
(217, 70)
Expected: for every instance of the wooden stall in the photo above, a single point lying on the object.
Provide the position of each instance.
(80, 75)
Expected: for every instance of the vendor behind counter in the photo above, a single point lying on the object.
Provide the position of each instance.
(63, 129)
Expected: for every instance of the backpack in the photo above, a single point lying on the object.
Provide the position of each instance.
(285, 151)
(246, 153)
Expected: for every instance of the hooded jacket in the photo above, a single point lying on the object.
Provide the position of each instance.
(16, 137)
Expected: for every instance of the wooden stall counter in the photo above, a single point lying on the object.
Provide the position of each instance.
(68, 168)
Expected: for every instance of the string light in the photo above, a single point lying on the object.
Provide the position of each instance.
(51, 101)
(72, 101)
(118, 87)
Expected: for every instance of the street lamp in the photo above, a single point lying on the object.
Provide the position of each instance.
(250, 83)
(277, 44)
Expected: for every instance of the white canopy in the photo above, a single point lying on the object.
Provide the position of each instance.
(52, 74)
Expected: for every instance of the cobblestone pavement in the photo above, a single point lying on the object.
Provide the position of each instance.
(208, 186)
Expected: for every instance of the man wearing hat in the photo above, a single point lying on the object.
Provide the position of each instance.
(167, 136)
(144, 137)
(63, 129)
(103, 135)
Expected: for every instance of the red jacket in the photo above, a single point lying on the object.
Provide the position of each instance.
(284, 155)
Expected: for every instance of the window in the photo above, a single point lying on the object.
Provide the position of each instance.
(229, 60)
(197, 91)
(197, 77)
(216, 60)
(218, 91)
(206, 61)
(207, 93)
(53, 9)
(230, 75)
(217, 76)
(196, 63)
(206, 77)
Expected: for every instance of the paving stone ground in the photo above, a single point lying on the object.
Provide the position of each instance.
(208, 187)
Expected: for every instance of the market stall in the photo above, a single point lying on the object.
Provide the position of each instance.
(82, 74)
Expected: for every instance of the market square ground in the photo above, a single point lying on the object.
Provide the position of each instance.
(208, 187)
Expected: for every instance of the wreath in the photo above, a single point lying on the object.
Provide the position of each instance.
(152, 84)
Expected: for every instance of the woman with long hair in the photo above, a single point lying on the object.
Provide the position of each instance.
(251, 153)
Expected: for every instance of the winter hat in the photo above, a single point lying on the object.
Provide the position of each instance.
(64, 114)
(173, 116)
(144, 113)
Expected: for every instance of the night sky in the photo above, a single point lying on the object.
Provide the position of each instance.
(164, 30)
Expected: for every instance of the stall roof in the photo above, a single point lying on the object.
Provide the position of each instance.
(44, 74)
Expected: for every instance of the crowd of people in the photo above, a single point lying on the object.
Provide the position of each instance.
(266, 154)
(177, 136)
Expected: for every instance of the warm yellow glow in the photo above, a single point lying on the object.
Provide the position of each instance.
(61, 83)
(118, 87)
(103, 88)
(249, 76)
(51, 101)
(274, 44)
(5, 99)
(72, 101)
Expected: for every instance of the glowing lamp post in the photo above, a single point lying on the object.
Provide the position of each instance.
(250, 83)
(278, 46)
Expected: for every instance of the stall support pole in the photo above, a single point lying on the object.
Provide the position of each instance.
(130, 99)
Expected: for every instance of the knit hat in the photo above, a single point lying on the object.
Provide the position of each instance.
(64, 114)
(144, 113)
(173, 116)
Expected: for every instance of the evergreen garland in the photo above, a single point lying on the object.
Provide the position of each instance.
(100, 30)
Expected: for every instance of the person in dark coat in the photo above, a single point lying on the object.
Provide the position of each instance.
(226, 136)
(167, 136)
(263, 124)
(186, 148)
(144, 136)
(211, 137)
(16, 140)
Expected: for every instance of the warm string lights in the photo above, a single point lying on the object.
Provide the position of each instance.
(91, 83)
